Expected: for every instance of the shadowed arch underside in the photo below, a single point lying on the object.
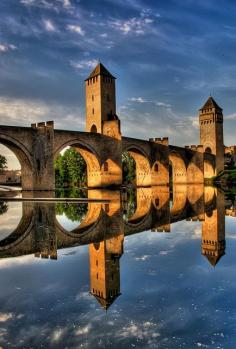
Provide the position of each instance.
(24, 158)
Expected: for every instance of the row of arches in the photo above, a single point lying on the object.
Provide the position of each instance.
(109, 172)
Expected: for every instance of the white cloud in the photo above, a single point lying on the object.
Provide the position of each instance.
(138, 100)
(66, 3)
(143, 100)
(23, 112)
(5, 317)
(83, 330)
(49, 26)
(57, 335)
(76, 29)
(84, 64)
(230, 117)
(134, 25)
(7, 47)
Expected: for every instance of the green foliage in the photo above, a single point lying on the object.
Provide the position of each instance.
(3, 163)
(70, 169)
(3, 207)
(128, 168)
(74, 212)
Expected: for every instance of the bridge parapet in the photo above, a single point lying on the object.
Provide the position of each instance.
(198, 148)
(163, 141)
(47, 124)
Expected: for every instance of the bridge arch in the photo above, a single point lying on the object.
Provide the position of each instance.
(24, 157)
(178, 168)
(159, 173)
(89, 155)
(87, 224)
(209, 170)
(142, 164)
(21, 231)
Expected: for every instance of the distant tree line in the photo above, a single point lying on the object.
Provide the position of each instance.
(71, 169)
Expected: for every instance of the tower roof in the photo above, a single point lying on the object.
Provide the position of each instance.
(214, 259)
(106, 303)
(100, 70)
(211, 103)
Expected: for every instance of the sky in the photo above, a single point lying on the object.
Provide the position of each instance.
(168, 57)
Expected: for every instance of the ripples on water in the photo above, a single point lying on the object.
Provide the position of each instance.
(137, 272)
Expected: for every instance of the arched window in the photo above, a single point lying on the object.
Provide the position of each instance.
(157, 201)
(105, 166)
(94, 129)
(156, 168)
(208, 150)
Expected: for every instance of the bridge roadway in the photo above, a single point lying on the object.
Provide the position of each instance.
(37, 147)
(40, 232)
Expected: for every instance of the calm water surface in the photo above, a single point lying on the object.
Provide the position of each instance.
(146, 270)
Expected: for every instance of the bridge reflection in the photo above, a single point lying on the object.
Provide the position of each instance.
(104, 225)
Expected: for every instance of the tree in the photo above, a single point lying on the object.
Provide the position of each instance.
(3, 207)
(128, 168)
(70, 169)
(3, 163)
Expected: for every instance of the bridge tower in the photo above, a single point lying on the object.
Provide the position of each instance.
(213, 232)
(211, 131)
(101, 103)
(105, 270)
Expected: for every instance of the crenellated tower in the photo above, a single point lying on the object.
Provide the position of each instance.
(105, 270)
(211, 131)
(213, 231)
(101, 103)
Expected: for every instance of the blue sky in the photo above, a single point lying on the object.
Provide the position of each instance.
(168, 56)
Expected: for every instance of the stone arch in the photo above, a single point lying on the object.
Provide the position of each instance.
(194, 174)
(91, 158)
(209, 170)
(179, 172)
(208, 150)
(91, 219)
(143, 167)
(23, 229)
(94, 129)
(159, 173)
(141, 216)
(24, 157)
(110, 173)
(179, 201)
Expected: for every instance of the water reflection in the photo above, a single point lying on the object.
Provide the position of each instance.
(45, 228)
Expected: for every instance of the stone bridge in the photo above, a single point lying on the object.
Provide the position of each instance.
(37, 147)
(40, 232)
(103, 144)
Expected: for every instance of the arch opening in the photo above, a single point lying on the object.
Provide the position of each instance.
(19, 164)
(159, 174)
(208, 150)
(138, 171)
(94, 129)
(178, 172)
(77, 219)
(77, 165)
(209, 171)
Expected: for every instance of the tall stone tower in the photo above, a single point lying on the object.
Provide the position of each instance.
(101, 101)
(213, 232)
(105, 270)
(211, 131)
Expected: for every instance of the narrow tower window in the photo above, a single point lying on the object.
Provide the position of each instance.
(105, 166)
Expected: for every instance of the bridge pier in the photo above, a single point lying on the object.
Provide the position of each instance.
(42, 153)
